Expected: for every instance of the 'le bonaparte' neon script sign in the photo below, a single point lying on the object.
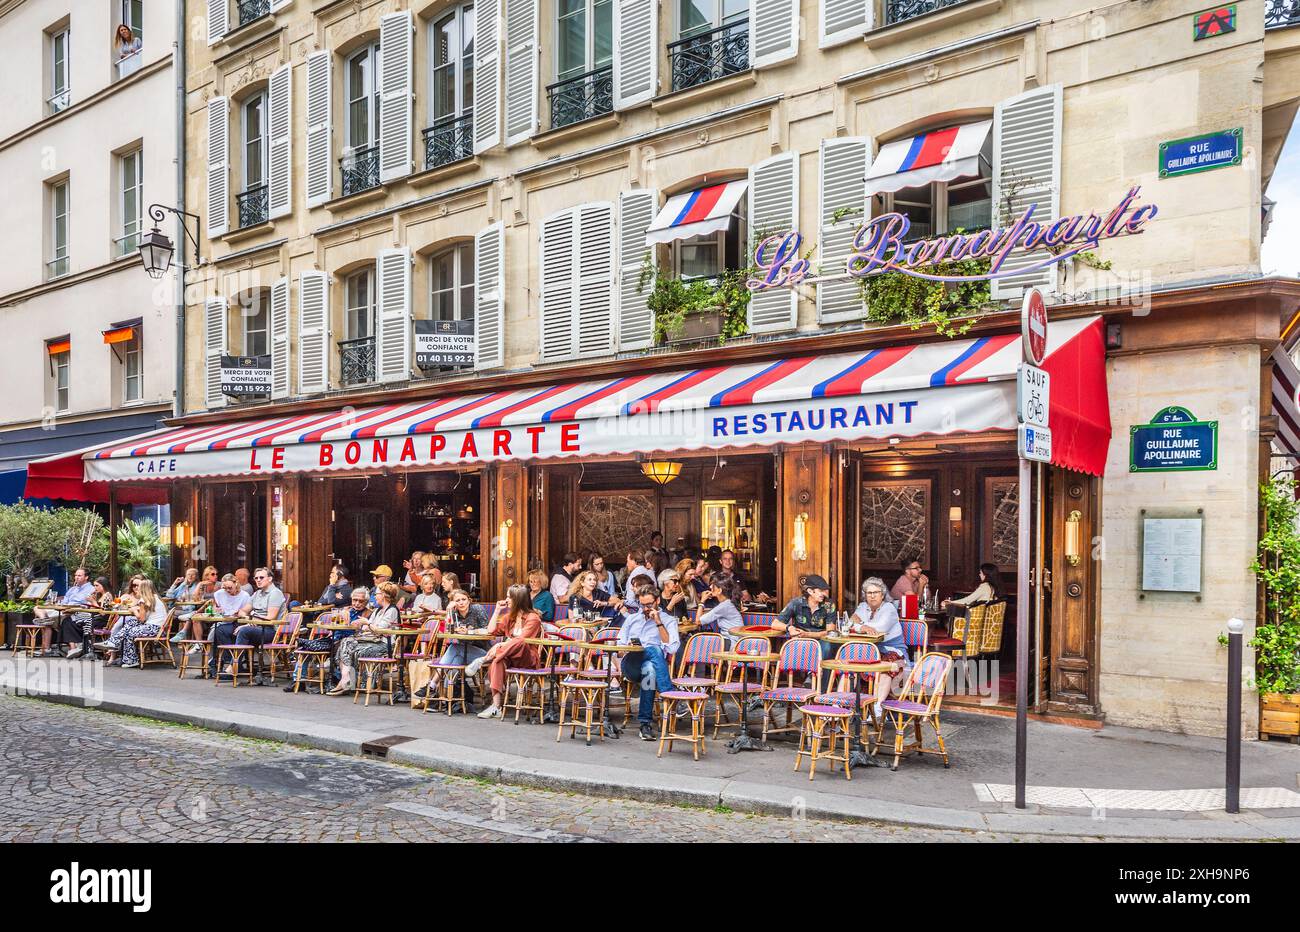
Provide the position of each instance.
(881, 246)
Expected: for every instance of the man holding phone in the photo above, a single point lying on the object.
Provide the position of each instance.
(654, 630)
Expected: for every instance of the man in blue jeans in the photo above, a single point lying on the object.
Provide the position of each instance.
(656, 632)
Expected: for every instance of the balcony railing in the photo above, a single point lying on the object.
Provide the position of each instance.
(127, 243)
(59, 101)
(449, 140)
(360, 170)
(250, 10)
(254, 206)
(56, 267)
(581, 98)
(357, 361)
(1280, 13)
(898, 11)
(128, 64)
(710, 55)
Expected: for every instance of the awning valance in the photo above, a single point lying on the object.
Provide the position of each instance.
(1286, 384)
(941, 155)
(123, 334)
(911, 390)
(696, 213)
(55, 347)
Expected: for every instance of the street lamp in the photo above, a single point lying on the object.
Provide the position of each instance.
(156, 247)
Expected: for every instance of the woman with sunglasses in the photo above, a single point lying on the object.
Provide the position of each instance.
(367, 642)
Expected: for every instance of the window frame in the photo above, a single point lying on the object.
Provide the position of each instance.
(125, 247)
(58, 252)
(461, 61)
(370, 94)
(60, 39)
(61, 370)
(133, 354)
(462, 264)
(261, 98)
(590, 64)
(262, 302)
(718, 20)
(369, 308)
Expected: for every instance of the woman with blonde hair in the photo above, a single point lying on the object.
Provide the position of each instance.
(685, 569)
(584, 595)
(366, 642)
(543, 601)
(148, 615)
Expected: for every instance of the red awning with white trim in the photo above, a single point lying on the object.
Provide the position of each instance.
(696, 213)
(1286, 385)
(940, 155)
(912, 390)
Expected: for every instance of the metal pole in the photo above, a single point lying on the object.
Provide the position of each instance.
(1023, 562)
(1232, 796)
(178, 66)
(1040, 574)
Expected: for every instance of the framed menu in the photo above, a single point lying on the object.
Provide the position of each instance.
(37, 590)
(1171, 553)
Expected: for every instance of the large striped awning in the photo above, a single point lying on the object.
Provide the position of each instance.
(1286, 385)
(919, 389)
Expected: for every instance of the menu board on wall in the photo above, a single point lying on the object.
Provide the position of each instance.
(1171, 554)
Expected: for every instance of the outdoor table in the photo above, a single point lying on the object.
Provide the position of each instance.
(311, 608)
(552, 712)
(397, 634)
(758, 631)
(858, 756)
(845, 637)
(745, 741)
(609, 645)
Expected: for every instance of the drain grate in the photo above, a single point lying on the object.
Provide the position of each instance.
(379, 746)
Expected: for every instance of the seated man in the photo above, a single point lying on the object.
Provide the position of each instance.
(640, 572)
(267, 602)
(231, 601)
(913, 580)
(811, 615)
(655, 630)
(81, 592)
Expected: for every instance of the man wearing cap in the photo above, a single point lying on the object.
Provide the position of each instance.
(811, 615)
(380, 574)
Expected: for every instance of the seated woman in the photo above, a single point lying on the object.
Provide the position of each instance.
(427, 600)
(686, 574)
(355, 614)
(185, 587)
(586, 596)
(875, 614)
(724, 615)
(515, 620)
(148, 615)
(463, 617)
(990, 588)
(672, 596)
(543, 601)
(367, 643)
(231, 601)
(339, 591)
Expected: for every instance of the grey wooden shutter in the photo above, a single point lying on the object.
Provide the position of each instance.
(1026, 170)
(636, 210)
(280, 338)
(490, 297)
(594, 324)
(773, 209)
(218, 20)
(558, 243)
(842, 20)
(320, 170)
(487, 75)
(842, 208)
(218, 166)
(521, 69)
(393, 325)
(313, 332)
(773, 31)
(636, 52)
(396, 101)
(280, 129)
(215, 323)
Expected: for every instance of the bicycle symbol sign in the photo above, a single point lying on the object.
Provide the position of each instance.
(1033, 395)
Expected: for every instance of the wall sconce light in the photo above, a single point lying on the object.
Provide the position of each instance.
(503, 539)
(1072, 537)
(290, 534)
(182, 535)
(954, 514)
(799, 549)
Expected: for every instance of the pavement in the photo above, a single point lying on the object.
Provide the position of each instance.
(1104, 782)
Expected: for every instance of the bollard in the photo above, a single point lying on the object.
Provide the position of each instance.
(1232, 797)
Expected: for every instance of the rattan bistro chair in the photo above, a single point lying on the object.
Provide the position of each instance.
(801, 658)
(730, 685)
(157, 648)
(282, 644)
(919, 702)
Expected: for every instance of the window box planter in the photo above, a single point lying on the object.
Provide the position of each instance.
(703, 324)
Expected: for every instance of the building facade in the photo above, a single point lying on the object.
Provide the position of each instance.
(87, 142)
(431, 222)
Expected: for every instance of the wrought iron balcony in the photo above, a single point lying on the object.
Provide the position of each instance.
(581, 98)
(250, 10)
(449, 140)
(357, 361)
(254, 206)
(708, 56)
(898, 11)
(1281, 13)
(360, 170)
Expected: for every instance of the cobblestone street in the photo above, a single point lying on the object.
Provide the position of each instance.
(74, 774)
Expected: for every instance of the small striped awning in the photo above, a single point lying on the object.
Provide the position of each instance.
(696, 213)
(941, 155)
(1286, 405)
(55, 347)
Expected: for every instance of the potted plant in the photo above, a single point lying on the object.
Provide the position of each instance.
(1277, 638)
(690, 310)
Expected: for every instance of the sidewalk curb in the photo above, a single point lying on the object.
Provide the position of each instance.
(707, 792)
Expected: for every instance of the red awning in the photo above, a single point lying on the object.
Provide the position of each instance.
(1079, 413)
(62, 477)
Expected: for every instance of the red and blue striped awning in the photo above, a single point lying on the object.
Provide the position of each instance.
(939, 155)
(696, 213)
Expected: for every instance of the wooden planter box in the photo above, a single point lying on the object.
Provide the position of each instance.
(701, 326)
(1279, 714)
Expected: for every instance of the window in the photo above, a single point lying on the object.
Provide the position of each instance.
(57, 265)
(359, 307)
(256, 313)
(452, 284)
(60, 373)
(130, 183)
(132, 369)
(253, 200)
(945, 206)
(360, 163)
(585, 79)
(128, 49)
(450, 134)
(699, 16)
(713, 41)
(59, 85)
(708, 256)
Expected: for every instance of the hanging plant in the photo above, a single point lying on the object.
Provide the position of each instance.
(949, 307)
(672, 300)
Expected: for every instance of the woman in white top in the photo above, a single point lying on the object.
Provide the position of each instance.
(725, 616)
(149, 615)
(368, 642)
(875, 614)
(427, 599)
(990, 588)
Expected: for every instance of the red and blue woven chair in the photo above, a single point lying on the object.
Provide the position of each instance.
(731, 686)
(919, 701)
(916, 635)
(698, 668)
(841, 693)
(801, 658)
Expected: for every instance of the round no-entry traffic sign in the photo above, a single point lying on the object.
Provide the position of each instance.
(1033, 326)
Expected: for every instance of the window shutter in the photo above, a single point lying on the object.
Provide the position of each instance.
(487, 75)
(218, 20)
(636, 52)
(320, 172)
(844, 165)
(594, 324)
(218, 166)
(559, 240)
(773, 209)
(1026, 170)
(313, 332)
(280, 338)
(773, 31)
(396, 102)
(521, 70)
(636, 210)
(842, 20)
(214, 347)
(279, 126)
(489, 297)
(393, 340)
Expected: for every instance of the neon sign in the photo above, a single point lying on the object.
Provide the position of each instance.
(881, 245)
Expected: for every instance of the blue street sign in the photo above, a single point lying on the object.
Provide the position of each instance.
(1174, 441)
(1200, 153)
